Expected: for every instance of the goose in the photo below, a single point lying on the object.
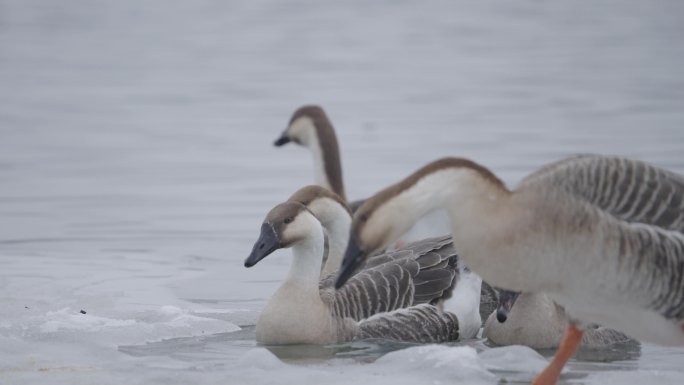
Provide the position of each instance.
(538, 322)
(303, 312)
(598, 234)
(335, 217)
(310, 127)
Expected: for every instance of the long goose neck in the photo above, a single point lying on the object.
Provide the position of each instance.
(326, 158)
(472, 198)
(320, 176)
(338, 237)
(307, 257)
(469, 195)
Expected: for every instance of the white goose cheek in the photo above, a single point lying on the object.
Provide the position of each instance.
(301, 130)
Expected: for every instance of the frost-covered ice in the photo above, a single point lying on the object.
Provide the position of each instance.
(136, 165)
(168, 322)
(514, 358)
(425, 364)
(422, 364)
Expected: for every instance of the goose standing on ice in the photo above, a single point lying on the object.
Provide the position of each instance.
(597, 234)
(335, 217)
(379, 303)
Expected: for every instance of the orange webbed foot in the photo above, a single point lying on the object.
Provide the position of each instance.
(568, 347)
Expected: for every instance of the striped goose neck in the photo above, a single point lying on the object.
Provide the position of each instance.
(463, 188)
(310, 127)
(326, 153)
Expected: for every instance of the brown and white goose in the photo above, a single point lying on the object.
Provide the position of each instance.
(380, 302)
(335, 217)
(310, 127)
(597, 234)
(538, 322)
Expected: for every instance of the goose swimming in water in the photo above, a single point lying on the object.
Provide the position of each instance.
(380, 301)
(335, 217)
(538, 322)
(597, 234)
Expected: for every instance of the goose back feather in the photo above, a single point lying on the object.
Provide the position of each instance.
(422, 323)
(643, 207)
(630, 190)
(395, 280)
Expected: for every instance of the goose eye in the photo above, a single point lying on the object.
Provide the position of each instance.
(288, 220)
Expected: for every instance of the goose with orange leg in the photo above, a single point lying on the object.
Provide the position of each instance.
(600, 235)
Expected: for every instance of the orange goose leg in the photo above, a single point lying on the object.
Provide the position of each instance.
(568, 347)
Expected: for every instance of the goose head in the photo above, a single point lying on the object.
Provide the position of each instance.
(311, 128)
(328, 207)
(454, 184)
(506, 301)
(335, 217)
(285, 226)
(303, 125)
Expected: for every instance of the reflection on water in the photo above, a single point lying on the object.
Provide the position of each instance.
(193, 348)
(626, 351)
(369, 350)
(363, 351)
(215, 348)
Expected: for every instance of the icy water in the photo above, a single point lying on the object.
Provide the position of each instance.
(136, 165)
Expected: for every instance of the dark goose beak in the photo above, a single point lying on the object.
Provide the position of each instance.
(284, 139)
(353, 257)
(506, 301)
(265, 245)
